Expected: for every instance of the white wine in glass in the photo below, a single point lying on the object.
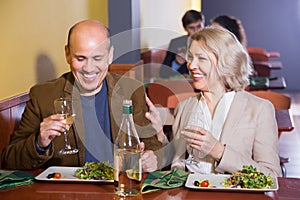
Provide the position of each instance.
(63, 107)
(195, 119)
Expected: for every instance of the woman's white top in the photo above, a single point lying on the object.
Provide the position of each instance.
(201, 116)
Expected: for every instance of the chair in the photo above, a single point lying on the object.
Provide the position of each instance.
(155, 55)
(260, 54)
(280, 101)
(153, 58)
(134, 71)
(174, 99)
(11, 111)
(159, 91)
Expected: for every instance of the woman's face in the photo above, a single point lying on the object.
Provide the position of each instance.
(202, 67)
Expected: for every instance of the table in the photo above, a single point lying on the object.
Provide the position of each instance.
(283, 118)
(271, 64)
(264, 68)
(274, 83)
(289, 188)
(277, 83)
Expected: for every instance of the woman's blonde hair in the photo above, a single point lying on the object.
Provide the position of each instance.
(233, 62)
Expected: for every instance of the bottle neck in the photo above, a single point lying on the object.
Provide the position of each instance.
(127, 110)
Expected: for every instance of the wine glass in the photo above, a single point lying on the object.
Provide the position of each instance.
(196, 118)
(63, 107)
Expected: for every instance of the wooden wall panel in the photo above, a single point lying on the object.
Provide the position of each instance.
(10, 115)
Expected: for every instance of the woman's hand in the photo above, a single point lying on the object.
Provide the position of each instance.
(203, 141)
(154, 116)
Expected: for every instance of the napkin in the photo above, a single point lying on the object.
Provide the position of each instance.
(10, 179)
(259, 81)
(164, 180)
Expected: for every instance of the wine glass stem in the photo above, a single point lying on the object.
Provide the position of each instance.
(68, 146)
(192, 157)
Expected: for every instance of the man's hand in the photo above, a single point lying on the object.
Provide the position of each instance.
(50, 128)
(149, 159)
(180, 56)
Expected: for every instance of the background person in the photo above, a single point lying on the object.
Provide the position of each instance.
(175, 61)
(232, 24)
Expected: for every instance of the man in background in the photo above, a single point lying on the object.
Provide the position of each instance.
(175, 61)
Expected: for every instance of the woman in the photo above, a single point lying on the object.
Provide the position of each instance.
(235, 127)
(232, 24)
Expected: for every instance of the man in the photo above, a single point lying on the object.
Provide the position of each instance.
(175, 61)
(97, 102)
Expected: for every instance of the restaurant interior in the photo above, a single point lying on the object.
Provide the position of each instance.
(34, 33)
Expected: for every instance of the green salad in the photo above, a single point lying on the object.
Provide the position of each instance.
(96, 171)
(249, 177)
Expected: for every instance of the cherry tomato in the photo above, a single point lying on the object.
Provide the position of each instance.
(204, 183)
(57, 175)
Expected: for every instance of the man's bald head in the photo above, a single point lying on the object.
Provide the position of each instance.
(87, 28)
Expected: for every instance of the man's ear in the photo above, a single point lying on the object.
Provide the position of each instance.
(110, 55)
(67, 54)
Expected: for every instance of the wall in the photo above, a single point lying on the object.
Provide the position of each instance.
(270, 24)
(125, 34)
(33, 35)
(161, 20)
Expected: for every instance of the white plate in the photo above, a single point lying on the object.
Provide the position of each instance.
(216, 181)
(67, 174)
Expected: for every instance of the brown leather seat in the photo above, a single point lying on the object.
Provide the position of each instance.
(11, 110)
(174, 99)
(260, 54)
(133, 70)
(159, 91)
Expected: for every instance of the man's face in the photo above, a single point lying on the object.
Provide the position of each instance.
(194, 27)
(89, 58)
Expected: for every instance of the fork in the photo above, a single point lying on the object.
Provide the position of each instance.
(161, 177)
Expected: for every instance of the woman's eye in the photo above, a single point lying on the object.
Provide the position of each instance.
(189, 57)
(201, 58)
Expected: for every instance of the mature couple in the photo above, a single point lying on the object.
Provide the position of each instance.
(239, 129)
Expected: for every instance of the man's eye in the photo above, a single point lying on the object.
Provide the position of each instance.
(98, 58)
(80, 59)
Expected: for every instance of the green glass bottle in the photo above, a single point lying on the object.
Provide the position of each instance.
(127, 156)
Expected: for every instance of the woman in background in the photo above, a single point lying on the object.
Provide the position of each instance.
(232, 24)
